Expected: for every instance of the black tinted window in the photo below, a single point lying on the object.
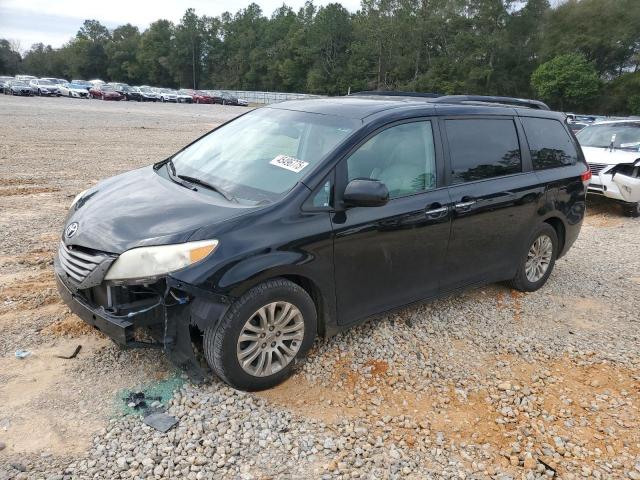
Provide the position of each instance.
(549, 143)
(482, 148)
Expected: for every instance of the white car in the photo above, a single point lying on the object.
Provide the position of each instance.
(168, 95)
(184, 97)
(73, 90)
(612, 150)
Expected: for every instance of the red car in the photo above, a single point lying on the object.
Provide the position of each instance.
(105, 92)
(198, 96)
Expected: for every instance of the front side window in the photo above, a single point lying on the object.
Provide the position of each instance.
(402, 157)
(482, 148)
(549, 143)
(261, 155)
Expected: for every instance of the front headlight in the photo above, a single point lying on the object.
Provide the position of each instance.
(77, 197)
(146, 262)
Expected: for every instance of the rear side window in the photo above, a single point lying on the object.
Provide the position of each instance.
(482, 148)
(549, 143)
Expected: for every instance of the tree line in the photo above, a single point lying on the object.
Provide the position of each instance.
(580, 55)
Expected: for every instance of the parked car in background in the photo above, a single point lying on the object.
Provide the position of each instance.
(18, 87)
(122, 88)
(168, 95)
(104, 92)
(25, 78)
(43, 87)
(73, 90)
(224, 98)
(142, 94)
(184, 97)
(86, 84)
(97, 81)
(305, 218)
(198, 96)
(5, 80)
(612, 150)
(577, 126)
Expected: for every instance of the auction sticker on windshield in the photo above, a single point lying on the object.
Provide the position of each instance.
(289, 163)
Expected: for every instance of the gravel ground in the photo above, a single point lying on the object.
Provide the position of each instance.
(491, 383)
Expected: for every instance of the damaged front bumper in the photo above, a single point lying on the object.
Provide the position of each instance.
(165, 310)
(619, 182)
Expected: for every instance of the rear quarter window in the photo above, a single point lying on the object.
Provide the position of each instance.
(482, 148)
(549, 143)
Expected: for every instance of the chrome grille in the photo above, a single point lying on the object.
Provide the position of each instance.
(77, 264)
(596, 168)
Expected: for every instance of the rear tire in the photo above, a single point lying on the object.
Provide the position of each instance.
(224, 352)
(632, 210)
(538, 260)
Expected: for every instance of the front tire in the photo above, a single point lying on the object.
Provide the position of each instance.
(537, 263)
(263, 336)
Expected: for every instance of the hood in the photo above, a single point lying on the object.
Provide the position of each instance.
(142, 207)
(603, 155)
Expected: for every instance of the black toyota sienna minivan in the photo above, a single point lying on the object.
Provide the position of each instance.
(307, 217)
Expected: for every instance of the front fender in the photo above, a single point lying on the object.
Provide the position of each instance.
(250, 271)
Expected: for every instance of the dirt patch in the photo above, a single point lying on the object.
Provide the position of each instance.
(39, 396)
(28, 291)
(536, 398)
(70, 326)
(9, 192)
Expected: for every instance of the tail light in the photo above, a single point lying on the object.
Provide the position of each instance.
(586, 177)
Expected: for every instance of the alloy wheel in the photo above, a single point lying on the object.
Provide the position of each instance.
(538, 258)
(270, 339)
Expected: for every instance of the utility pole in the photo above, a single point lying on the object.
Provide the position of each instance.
(193, 59)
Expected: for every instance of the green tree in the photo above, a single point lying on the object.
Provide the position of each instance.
(567, 81)
(154, 53)
(122, 54)
(606, 32)
(10, 60)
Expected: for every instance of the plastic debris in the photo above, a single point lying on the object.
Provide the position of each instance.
(22, 353)
(162, 422)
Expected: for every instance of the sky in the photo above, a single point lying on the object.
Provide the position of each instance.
(54, 22)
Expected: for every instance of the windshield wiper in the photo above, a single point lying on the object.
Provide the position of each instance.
(171, 170)
(208, 185)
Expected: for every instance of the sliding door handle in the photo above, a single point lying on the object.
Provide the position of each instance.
(465, 205)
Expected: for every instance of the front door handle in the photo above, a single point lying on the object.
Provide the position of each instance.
(437, 211)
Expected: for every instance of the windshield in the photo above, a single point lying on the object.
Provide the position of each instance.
(106, 88)
(45, 82)
(262, 155)
(77, 85)
(18, 82)
(625, 136)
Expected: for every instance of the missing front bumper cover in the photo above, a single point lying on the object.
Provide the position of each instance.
(167, 318)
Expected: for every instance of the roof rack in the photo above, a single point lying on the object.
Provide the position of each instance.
(507, 101)
(389, 93)
(477, 99)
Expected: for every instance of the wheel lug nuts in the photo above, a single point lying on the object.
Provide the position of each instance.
(264, 345)
(277, 334)
(271, 329)
(262, 335)
(273, 344)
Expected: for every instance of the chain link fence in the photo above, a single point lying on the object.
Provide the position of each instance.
(265, 98)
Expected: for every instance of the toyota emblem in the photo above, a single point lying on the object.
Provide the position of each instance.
(71, 229)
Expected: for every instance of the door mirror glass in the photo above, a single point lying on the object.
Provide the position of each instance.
(365, 193)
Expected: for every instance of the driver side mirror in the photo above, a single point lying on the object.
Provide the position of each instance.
(365, 193)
